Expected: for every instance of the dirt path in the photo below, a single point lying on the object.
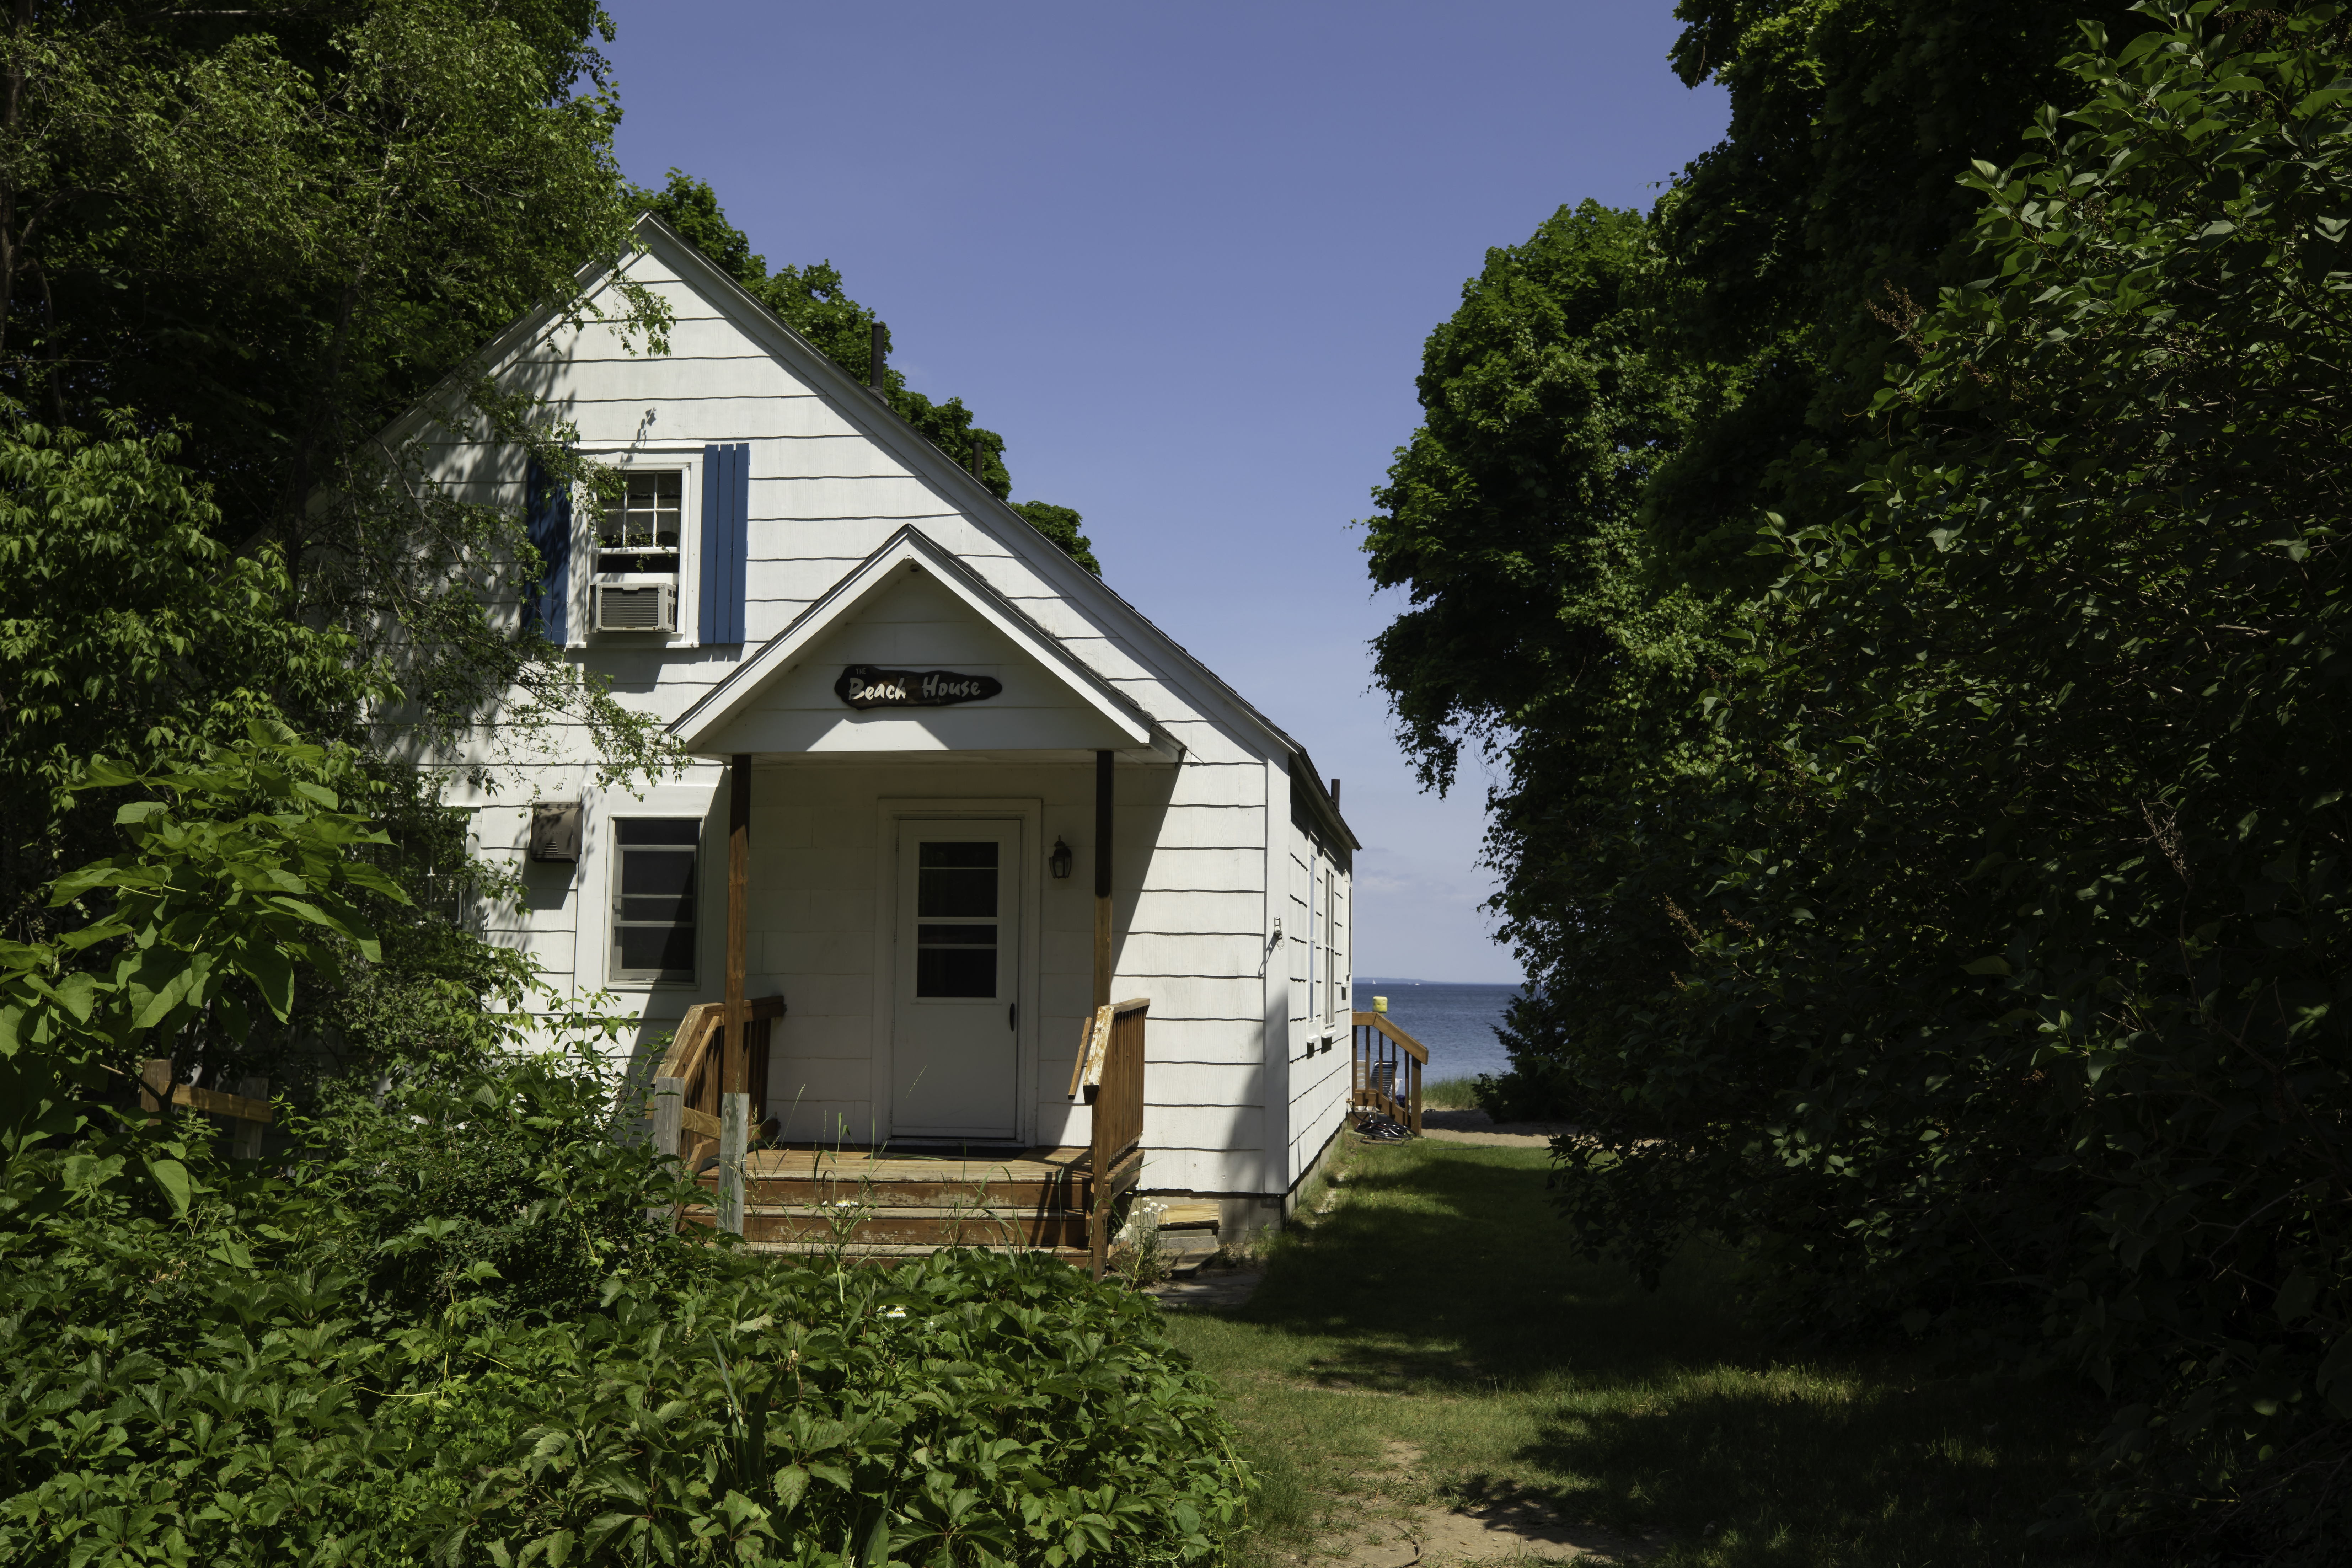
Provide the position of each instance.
(1391, 1530)
(1477, 1127)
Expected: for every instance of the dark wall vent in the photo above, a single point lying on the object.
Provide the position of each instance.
(555, 832)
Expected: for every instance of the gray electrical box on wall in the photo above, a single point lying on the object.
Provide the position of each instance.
(555, 832)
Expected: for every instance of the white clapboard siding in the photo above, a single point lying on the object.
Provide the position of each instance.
(1172, 1084)
(679, 389)
(1240, 1174)
(1208, 955)
(832, 1037)
(794, 1075)
(1218, 1138)
(1205, 870)
(1225, 1041)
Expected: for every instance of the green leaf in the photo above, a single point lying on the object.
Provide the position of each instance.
(178, 1186)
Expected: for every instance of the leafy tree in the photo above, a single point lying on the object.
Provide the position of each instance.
(134, 644)
(1572, 520)
(1061, 524)
(814, 303)
(1515, 518)
(266, 232)
(129, 630)
(2011, 958)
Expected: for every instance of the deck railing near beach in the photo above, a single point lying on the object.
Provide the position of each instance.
(1387, 1079)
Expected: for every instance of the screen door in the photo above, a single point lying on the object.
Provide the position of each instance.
(955, 1044)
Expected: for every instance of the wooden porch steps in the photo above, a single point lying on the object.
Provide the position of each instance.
(879, 1204)
(882, 1206)
(1188, 1233)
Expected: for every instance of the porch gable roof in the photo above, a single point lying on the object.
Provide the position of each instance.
(717, 709)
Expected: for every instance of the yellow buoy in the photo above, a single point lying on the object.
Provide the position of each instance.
(1379, 1004)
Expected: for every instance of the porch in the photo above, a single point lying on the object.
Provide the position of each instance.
(876, 1204)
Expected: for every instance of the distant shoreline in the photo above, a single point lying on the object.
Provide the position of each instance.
(1398, 980)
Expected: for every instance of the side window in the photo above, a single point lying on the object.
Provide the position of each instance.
(653, 896)
(1314, 951)
(636, 582)
(1331, 945)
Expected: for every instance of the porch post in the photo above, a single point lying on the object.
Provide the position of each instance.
(1102, 879)
(735, 1099)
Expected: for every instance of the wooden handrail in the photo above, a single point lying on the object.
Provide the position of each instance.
(1367, 1053)
(1110, 1073)
(1379, 1021)
(695, 1062)
(1094, 1041)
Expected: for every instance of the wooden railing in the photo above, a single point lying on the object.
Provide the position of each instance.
(684, 1104)
(1109, 1074)
(248, 1108)
(1388, 1064)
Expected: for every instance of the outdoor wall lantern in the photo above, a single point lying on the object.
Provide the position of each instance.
(1059, 861)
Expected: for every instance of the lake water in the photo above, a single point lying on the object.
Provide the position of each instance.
(1455, 1022)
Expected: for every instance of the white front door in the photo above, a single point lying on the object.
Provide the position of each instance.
(955, 1041)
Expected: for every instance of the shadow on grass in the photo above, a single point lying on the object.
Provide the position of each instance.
(1443, 1274)
(1443, 1266)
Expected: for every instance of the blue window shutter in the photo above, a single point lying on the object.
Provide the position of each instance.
(713, 568)
(548, 522)
(738, 585)
(726, 539)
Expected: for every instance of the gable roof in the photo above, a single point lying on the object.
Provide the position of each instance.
(868, 580)
(1173, 663)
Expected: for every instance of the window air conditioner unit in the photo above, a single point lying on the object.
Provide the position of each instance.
(626, 607)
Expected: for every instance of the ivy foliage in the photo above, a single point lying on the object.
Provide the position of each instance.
(454, 1322)
(138, 652)
(813, 302)
(252, 238)
(1957, 914)
(127, 629)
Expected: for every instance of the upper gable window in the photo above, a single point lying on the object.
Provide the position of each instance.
(640, 530)
(638, 547)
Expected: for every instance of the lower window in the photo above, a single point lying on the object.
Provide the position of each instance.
(653, 896)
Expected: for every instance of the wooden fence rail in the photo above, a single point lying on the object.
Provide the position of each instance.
(1388, 1063)
(249, 1107)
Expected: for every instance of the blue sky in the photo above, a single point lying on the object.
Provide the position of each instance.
(1183, 259)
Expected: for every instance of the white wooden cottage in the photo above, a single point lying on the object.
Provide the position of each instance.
(914, 705)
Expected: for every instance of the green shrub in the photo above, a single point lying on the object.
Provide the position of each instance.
(282, 1374)
(455, 1323)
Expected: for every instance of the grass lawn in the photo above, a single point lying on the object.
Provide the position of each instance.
(1431, 1313)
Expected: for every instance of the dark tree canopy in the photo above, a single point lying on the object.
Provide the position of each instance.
(1901, 578)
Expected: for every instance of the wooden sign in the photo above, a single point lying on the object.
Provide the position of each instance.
(864, 686)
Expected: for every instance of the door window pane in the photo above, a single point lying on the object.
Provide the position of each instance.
(956, 881)
(966, 972)
(653, 896)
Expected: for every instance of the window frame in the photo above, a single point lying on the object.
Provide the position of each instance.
(587, 518)
(615, 925)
